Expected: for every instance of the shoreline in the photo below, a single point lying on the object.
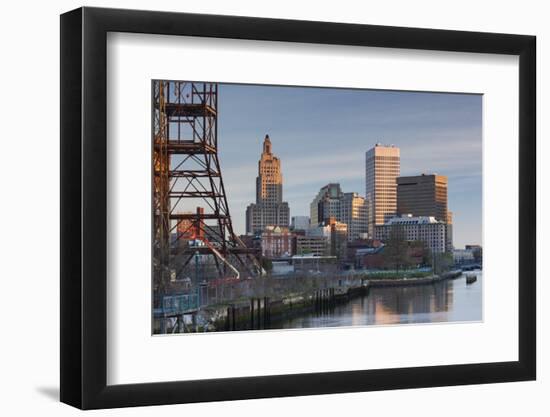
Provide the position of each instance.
(265, 312)
(402, 282)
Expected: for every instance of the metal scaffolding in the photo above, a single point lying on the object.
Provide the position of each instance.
(189, 199)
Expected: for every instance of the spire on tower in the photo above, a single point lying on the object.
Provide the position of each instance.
(267, 144)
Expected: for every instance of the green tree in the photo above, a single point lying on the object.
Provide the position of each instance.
(305, 251)
(427, 257)
(420, 252)
(267, 265)
(442, 262)
(395, 251)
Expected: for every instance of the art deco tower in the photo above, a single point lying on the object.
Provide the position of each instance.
(269, 182)
(269, 209)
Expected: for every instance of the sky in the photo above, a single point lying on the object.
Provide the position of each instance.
(321, 136)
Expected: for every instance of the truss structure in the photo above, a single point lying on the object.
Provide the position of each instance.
(189, 201)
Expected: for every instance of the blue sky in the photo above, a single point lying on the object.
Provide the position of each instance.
(322, 134)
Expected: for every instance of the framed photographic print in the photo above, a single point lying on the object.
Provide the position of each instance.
(257, 208)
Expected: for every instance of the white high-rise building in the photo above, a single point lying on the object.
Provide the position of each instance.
(382, 167)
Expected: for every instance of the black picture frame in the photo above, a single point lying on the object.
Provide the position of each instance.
(84, 207)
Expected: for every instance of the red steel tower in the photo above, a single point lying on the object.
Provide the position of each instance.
(189, 198)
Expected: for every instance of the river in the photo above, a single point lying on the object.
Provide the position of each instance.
(446, 301)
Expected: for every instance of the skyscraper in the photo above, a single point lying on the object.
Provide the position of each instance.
(348, 208)
(326, 204)
(426, 195)
(382, 167)
(353, 212)
(269, 209)
(423, 195)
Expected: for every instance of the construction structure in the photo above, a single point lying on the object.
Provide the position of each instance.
(189, 199)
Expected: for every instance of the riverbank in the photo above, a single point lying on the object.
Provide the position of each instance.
(264, 312)
(401, 282)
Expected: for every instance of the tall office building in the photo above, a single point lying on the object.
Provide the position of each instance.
(426, 196)
(423, 195)
(269, 209)
(353, 212)
(348, 208)
(326, 204)
(382, 168)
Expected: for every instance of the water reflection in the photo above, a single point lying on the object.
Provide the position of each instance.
(447, 301)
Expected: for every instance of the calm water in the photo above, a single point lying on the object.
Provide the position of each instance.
(446, 301)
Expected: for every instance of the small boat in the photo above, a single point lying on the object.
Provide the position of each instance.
(471, 278)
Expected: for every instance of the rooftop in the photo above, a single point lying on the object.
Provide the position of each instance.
(405, 219)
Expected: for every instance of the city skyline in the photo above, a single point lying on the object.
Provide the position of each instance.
(303, 137)
(206, 278)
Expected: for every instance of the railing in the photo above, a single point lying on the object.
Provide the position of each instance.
(178, 304)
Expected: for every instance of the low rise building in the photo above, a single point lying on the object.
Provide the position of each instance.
(423, 228)
(276, 242)
(477, 251)
(280, 268)
(338, 238)
(461, 256)
(335, 234)
(312, 245)
(369, 258)
(310, 264)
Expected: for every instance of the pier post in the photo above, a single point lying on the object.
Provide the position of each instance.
(227, 319)
(194, 322)
(316, 300)
(252, 314)
(258, 304)
(267, 312)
